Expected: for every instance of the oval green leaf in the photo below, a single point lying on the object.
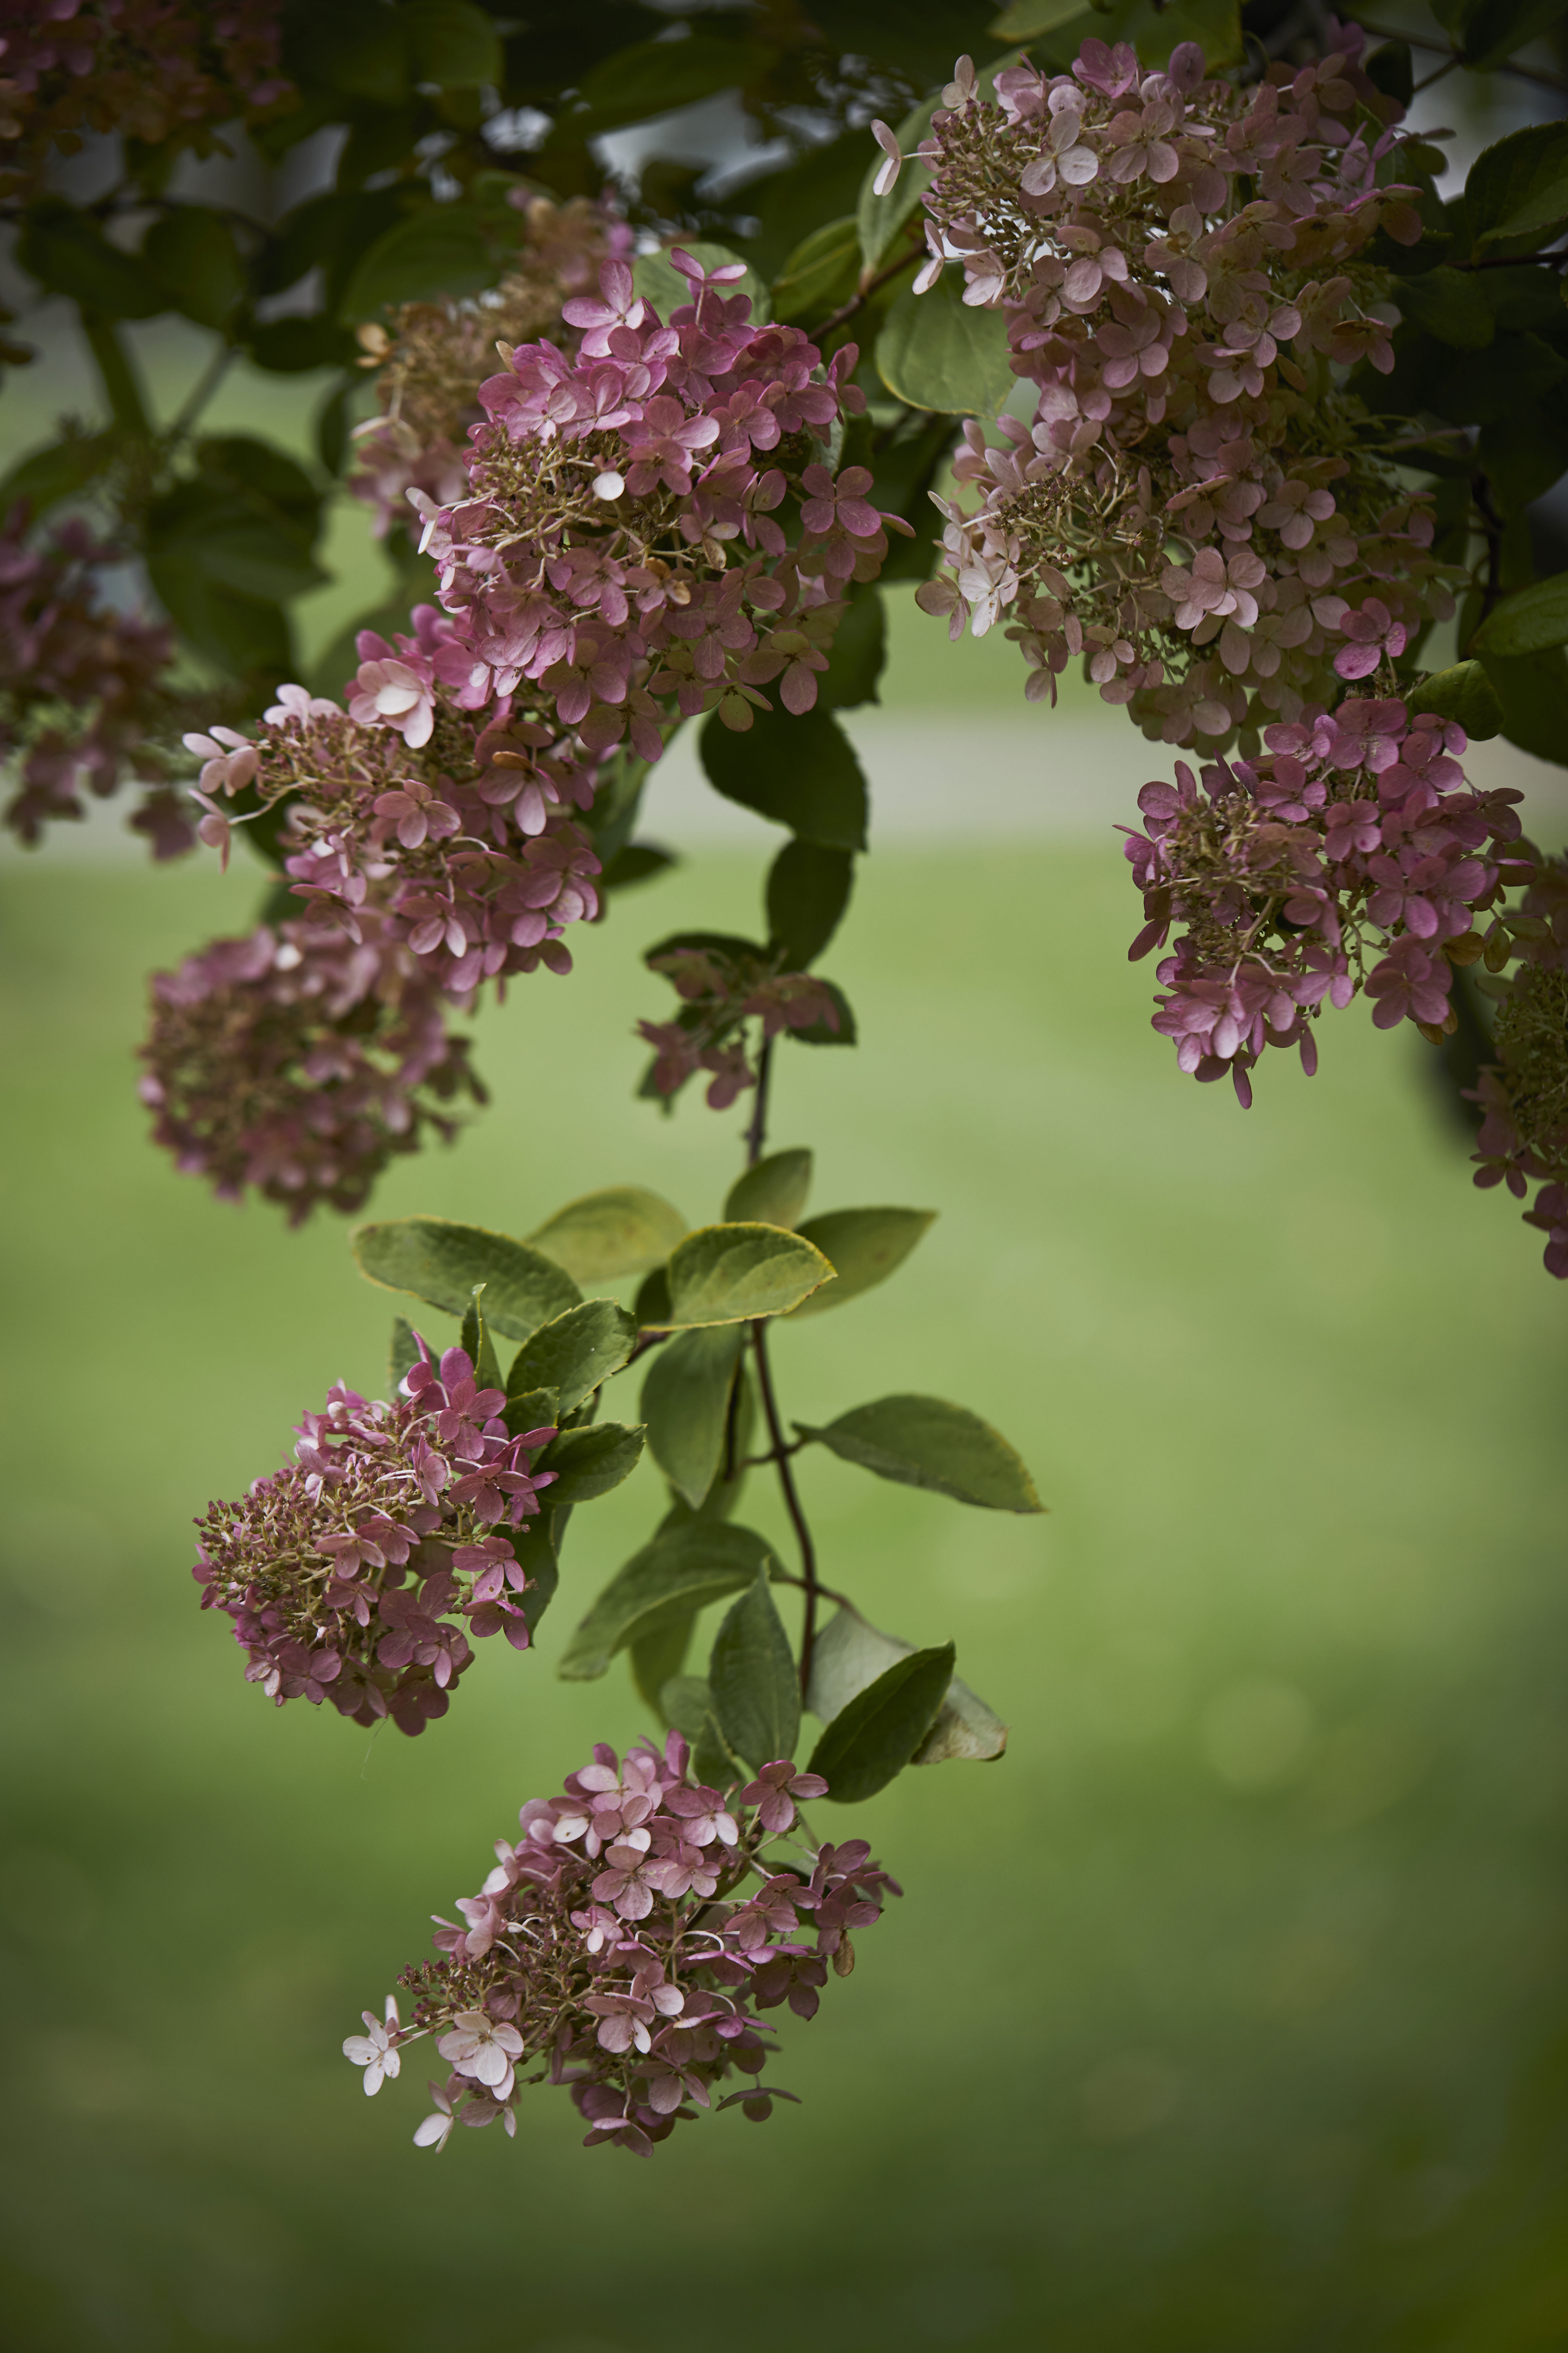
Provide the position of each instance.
(588, 1462)
(682, 1569)
(938, 352)
(1530, 621)
(686, 1406)
(1463, 692)
(625, 1230)
(820, 274)
(923, 1441)
(574, 1353)
(849, 1655)
(440, 1261)
(731, 1274)
(440, 250)
(751, 1675)
(872, 1739)
(864, 1247)
(773, 1193)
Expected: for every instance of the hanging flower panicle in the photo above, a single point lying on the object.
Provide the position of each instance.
(453, 825)
(1523, 1095)
(1349, 855)
(83, 688)
(301, 1062)
(722, 989)
(624, 1945)
(623, 546)
(357, 1572)
(1192, 509)
(432, 357)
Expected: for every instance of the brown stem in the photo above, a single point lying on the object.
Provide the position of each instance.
(857, 301)
(1491, 525)
(756, 1134)
(792, 1501)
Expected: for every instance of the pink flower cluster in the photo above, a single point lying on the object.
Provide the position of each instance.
(619, 1948)
(1181, 267)
(356, 1573)
(454, 827)
(82, 691)
(150, 69)
(1349, 855)
(589, 573)
(436, 355)
(1524, 1094)
(722, 989)
(301, 1062)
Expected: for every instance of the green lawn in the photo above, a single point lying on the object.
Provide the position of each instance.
(1222, 2015)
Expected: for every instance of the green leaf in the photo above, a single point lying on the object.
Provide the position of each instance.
(1534, 692)
(1486, 32)
(924, 1443)
(658, 1658)
(651, 1305)
(296, 346)
(574, 1353)
(880, 219)
(237, 539)
(69, 253)
(773, 1193)
(807, 892)
(1528, 622)
(876, 1735)
(686, 1406)
(245, 635)
(796, 771)
(589, 1462)
(653, 78)
(602, 1236)
(821, 274)
(687, 1701)
(358, 47)
(752, 1674)
(1155, 30)
(440, 1261)
(1450, 304)
(681, 1571)
(1463, 692)
(938, 352)
(475, 1341)
(731, 1274)
(58, 472)
(864, 1247)
(1028, 19)
(441, 250)
(849, 1655)
(451, 43)
(402, 1354)
(527, 1409)
(859, 654)
(192, 253)
(820, 1033)
(658, 282)
(1517, 191)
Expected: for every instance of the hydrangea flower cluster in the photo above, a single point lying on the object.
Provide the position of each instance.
(722, 989)
(83, 693)
(454, 828)
(617, 1949)
(1182, 268)
(1349, 855)
(435, 355)
(1523, 1095)
(299, 1062)
(589, 573)
(357, 1572)
(149, 70)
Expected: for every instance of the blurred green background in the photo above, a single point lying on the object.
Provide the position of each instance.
(1225, 2015)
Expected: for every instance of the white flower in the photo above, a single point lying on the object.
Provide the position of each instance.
(433, 2133)
(888, 172)
(376, 2050)
(297, 703)
(476, 2047)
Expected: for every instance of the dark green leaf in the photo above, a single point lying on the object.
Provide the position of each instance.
(658, 1658)
(401, 1355)
(686, 1701)
(329, 232)
(1489, 387)
(441, 250)
(622, 1230)
(441, 1262)
(357, 46)
(752, 1674)
(731, 1274)
(638, 861)
(773, 1193)
(859, 654)
(1391, 68)
(808, 890)
(245, 635)
(1452, 305)
(58, 472)
(824, 1033)
(883, 223)
(528, 1410)
(69, 253)
(686, 1407)
(333, 442)
(1487, 31)
(237, 540)
(1529, 621)
(938, 352)
(1154, 29)
(872, 1740)
(1534, 692)
(849, 1655)
(924, 1443)
(654, 78)
(451, 43)
(191, 252)
(797, 771)
(296, 346)
(1523, 457)
(821, 274)
(864, 1247)
(475, 1341)
(1517, 191)
(651, 1305)
(574, 1353)
(1463, 692)
(658, 282)
(588, 1462)
(681, 1571)
(542, 1559)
